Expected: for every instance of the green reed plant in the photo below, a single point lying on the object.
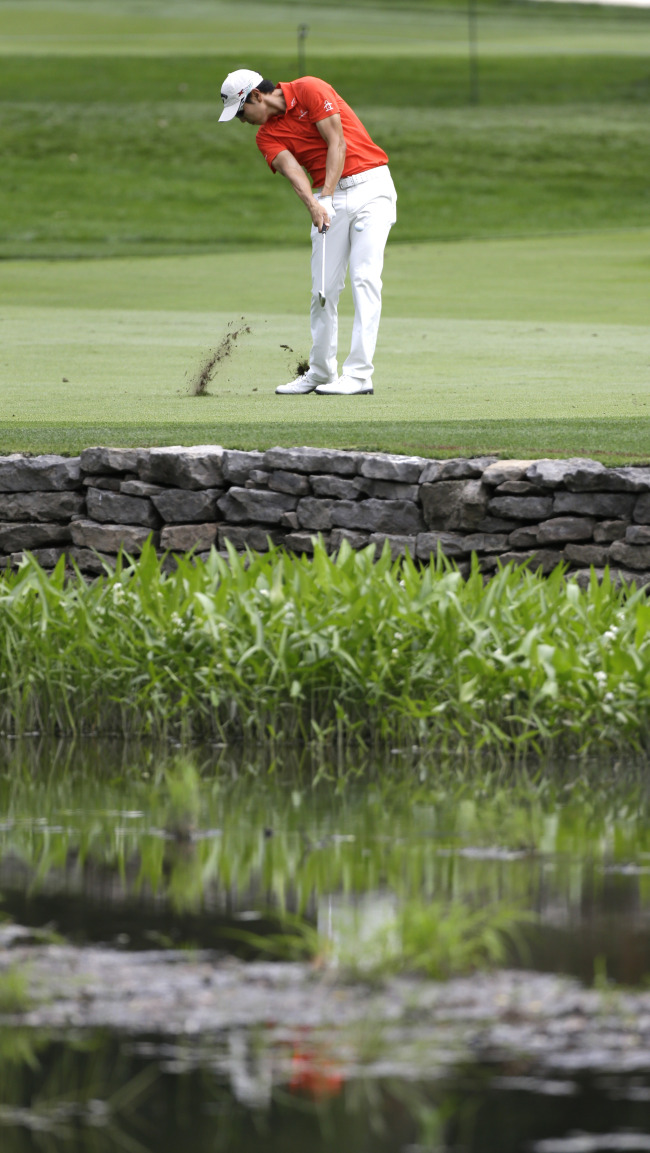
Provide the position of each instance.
(351, 647)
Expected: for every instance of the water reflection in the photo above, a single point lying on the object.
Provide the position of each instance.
(231, 1093)
(126, 845)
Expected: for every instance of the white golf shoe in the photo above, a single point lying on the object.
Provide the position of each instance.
(300, 385)
(346, 386)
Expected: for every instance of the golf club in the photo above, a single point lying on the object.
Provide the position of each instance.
(321, 294)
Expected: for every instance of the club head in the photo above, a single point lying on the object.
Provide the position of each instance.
(321, 299)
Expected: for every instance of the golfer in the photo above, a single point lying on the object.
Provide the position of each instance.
(351, 197)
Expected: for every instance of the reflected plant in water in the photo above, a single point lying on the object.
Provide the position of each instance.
(270, 863)
(442, 940)
(14, 991)
(183, 795)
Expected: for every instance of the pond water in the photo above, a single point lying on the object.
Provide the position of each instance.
(223, 854)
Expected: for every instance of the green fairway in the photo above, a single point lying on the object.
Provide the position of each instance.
(122, 156)
(483, 346)
(516, 281)
(127, 27)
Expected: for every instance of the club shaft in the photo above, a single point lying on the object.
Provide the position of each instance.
(322, 277)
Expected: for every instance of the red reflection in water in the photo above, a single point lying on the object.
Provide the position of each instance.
(313, 1072)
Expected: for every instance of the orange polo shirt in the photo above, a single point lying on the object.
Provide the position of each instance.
(308, 101)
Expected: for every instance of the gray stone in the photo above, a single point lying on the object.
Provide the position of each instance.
(430, 472)
(88, 561)
(113, 460)
(259, 478)
(392, 490)
(608, 504)
(47, 558)
(115, 508)
(496, 524)
(388, 466)
(398, 544)
(237, 466)
(197, 467)
(248, 536)
(20, 473)
(291, 482)
(183, 537)
(618, 576)
(587, 554)
(505, 470)
(354, 539)
(463, 468)
(630, 555)
(315, 514)
(642, 509)
(388, 516)
(623, 576)
(242, 504)
(110, 483)
(454, 504)
(313, 460)
(344, 488)
(111, 538)
(15, 537)
(536, 559)
(522, 507)
(523, 537)
(564, 528)
(138, 488)
(610, 530)
(182, 506)
(633, 479)
(40, 506)
(303, 542)
(518, 488)
(638, 534)
(486, 542)
(430, 543)
(290, 520)
(578, 474)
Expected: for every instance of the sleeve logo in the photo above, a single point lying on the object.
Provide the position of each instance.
(328, 106)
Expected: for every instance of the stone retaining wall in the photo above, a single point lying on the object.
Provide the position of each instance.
(544, 511)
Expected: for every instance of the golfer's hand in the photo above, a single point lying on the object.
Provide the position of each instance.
(324, 212)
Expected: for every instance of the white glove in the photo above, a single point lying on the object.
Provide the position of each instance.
(327, 203)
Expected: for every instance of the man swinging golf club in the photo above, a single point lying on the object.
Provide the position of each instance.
(306, 125)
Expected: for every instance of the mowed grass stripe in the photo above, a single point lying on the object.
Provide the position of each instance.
(440, 82)
(597, 279)
(102, 180)
(611, 441)
(113, 366)
(542, 372)
(343, 31)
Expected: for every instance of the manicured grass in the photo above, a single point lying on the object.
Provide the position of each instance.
(332, 650)
(161, 177)
(501, 346)
(611, 441)
(110, 145)
(245, 29)
(439, 81)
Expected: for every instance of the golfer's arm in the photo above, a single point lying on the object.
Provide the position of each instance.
(286, 163)
(331, 130)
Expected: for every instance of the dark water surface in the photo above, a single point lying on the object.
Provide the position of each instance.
(138, 849)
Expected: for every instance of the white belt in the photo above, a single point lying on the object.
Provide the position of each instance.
(360, 177)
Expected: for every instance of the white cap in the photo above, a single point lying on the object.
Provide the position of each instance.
(235, 89)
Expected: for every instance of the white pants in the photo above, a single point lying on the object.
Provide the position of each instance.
(373, 205)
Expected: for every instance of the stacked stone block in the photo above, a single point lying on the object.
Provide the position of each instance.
(541, 511)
